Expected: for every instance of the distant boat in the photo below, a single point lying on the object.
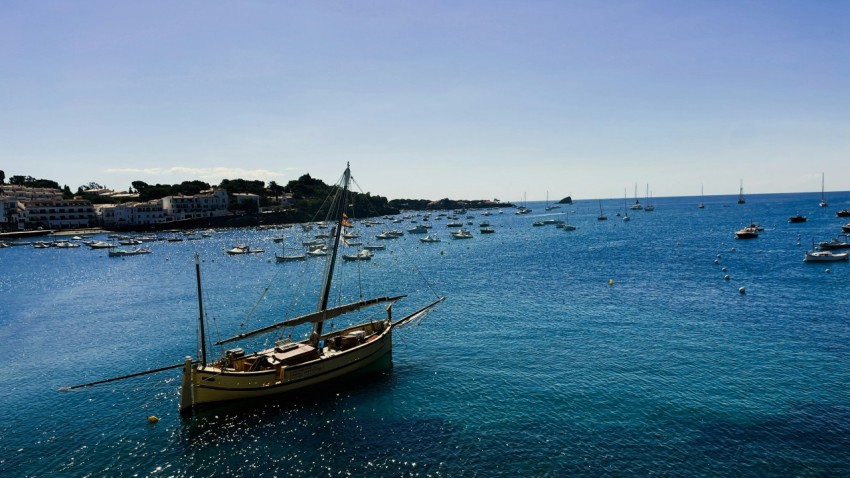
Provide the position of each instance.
(834, 243)
(748, 232)
(553, 206)
(522, 209)
(117, 252)
(430, 238)
(362, 255)
(243, 249)
(99, 245)
(797, 218)
(822, 202)
(420, 229)
(701, 193)
(741, 194)
(282, 257)
(649, 207)
(636, 206)
(462, 234)
(824, 256)
(626, 217)
(601, 216)
(843, 213)
(565, 225)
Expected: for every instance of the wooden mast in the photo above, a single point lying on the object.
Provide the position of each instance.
(326, 286)
(201, 313)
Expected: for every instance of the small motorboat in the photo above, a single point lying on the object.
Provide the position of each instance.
(748, 232)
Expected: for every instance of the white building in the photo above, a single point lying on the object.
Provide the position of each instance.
(207, 204)
(131, 214)
(55, 213)
(43, 207)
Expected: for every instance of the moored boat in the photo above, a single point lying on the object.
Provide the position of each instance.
(824, 256)
(244, 249)
(292, 366)
(362, 255)
(462, 234)
(135, 251)
(834, 243)
(748, 232)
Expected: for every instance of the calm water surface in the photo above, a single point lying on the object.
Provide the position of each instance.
(536, 364)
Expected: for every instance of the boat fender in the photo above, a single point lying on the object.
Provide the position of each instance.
(828, 270)
(726, 277)
(723, 269)
(742, 290)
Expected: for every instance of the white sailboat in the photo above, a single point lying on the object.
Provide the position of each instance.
(282, 257)
(292, 366)
(741, 199)
(822, 202)
(649, 207)
(701, 193)
(636, 206)
(626, 217)
(548, 206)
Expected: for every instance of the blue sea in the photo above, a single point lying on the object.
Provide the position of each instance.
(618, 349)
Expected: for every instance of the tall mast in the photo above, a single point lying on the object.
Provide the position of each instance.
(329, 272)
(201, 313)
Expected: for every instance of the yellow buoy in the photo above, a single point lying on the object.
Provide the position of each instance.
(610, 281)
(153, 419)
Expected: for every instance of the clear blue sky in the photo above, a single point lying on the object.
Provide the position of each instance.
(431, 99)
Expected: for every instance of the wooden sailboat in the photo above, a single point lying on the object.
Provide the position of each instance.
(292, 366)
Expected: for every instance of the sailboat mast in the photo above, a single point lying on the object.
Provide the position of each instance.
(326, 286)
(201, 313)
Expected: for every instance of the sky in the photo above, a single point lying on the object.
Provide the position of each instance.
(479, 99)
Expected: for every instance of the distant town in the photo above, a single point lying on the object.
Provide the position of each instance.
(29, 204)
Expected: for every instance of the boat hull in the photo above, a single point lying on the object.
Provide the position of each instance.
(825, 256)
(205, 386)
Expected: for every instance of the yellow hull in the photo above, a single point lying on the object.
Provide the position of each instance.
(211, 384)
